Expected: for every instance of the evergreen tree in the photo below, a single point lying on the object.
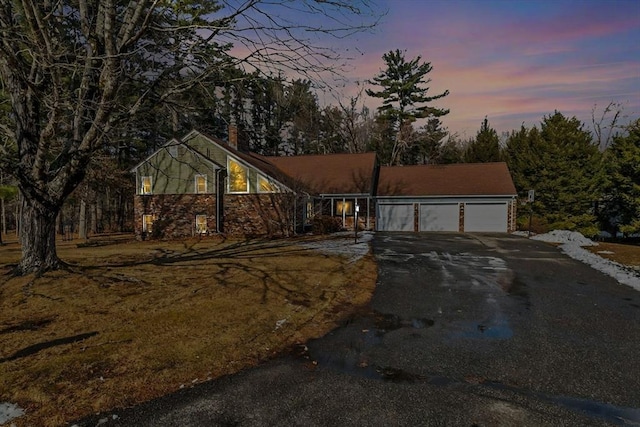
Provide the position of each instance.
(427, 146)
(562, 164)
(485, 148)
(622, 194)
(404, 100)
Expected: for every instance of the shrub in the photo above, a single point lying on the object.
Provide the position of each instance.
(324, 224)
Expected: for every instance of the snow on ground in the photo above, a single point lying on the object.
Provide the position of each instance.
(9, 411)
(565, 236)
(571, 244)
(344, 244)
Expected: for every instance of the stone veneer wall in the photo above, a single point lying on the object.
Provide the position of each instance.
(511, 216)
(175, 214)
(258, 214)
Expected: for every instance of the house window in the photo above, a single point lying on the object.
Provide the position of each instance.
(173, 151)
(145, 187)
(201, 224)
(238, 178)
(265, 186)
(309, 210)
(147, 223)
(201, 184)
(344, 207)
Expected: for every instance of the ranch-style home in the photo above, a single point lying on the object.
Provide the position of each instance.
(200, 185)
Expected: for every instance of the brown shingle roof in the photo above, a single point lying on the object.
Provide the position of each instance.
(329, 173)
(464, 179)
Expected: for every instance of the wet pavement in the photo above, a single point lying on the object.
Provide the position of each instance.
(463, 330)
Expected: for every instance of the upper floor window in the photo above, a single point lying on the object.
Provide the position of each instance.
(264, 186)
(238, 177)
(173, 150)
(145, 185)
(201, 184)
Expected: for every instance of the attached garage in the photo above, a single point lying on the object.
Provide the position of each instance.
(469, 197)
(439, 217)
(395, 217)
(486, 217)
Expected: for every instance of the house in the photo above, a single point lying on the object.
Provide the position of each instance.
(202, 185)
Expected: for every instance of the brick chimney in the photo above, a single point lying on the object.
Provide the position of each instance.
(233, 135)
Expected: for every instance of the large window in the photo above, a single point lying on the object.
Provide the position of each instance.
(344, 207)
(265, 186)
(238, 177)
(201, 184)
(145, 185)
(147, 223)
(201, 224)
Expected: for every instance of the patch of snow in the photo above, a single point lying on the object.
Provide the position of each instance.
(9, 411)
(279, 324)
(571, 244)
(606, 252)
(343, 244)
(564, 236)
(521, 233)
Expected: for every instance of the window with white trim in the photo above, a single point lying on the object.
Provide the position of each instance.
(201, 224)
(344, 207)
(147, 223)
(238, 177)
(200, 184)
(265, 186)
(145, 185)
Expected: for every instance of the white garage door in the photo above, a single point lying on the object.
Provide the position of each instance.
(441, 217)
(485, 217)
(395, 217)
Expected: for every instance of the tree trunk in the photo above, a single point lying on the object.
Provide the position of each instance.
(38, 238)
(82, 221)
(93, 208)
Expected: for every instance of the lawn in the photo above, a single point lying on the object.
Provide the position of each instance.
(130, 321)
(624, 254)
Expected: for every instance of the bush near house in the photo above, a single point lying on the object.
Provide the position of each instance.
(324, 224)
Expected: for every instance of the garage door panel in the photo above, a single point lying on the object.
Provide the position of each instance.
(439, 217)
(396, 217)
(485, 217)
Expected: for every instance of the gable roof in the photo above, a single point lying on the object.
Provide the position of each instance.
(463, 179)
(325, 174)
(173, 142)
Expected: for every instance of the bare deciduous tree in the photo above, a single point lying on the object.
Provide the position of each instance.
(75, 70)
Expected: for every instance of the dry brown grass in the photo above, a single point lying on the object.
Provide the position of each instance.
(131, 321)
(623, 254)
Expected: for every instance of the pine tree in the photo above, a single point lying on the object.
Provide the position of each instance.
(564, 167)
(622, 194)
(404, 100)
(486, 147)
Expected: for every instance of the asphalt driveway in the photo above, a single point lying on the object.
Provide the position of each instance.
(462, 330)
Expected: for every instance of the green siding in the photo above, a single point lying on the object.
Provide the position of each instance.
(176, 175)
(219, 155)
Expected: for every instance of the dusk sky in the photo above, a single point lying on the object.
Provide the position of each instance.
(513, 61)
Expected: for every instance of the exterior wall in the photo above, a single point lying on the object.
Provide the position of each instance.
(175, 174)
(253, 215)
(219, 155)
(174, 215)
